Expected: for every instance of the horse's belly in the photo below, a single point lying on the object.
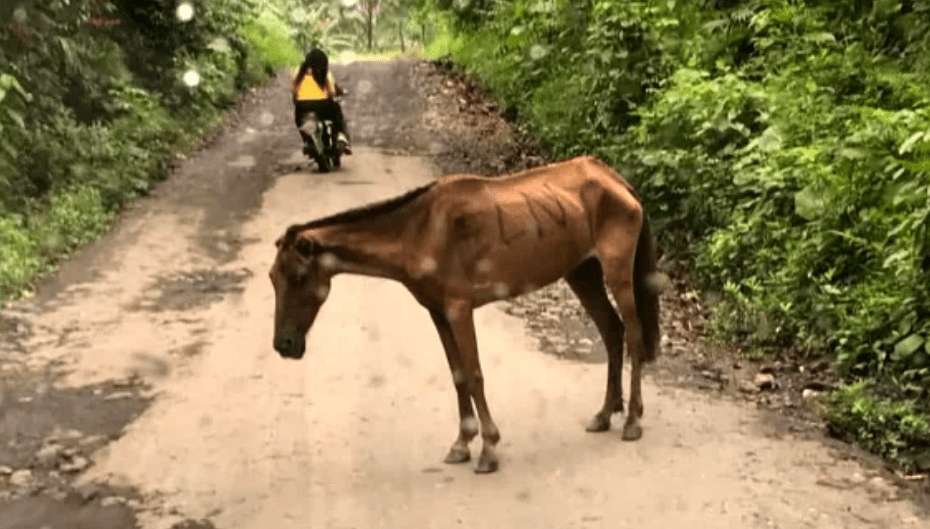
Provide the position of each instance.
(524, 267)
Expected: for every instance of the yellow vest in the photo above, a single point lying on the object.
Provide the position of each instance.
(310, 91)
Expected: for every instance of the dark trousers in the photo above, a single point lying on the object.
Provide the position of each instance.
(324, 109)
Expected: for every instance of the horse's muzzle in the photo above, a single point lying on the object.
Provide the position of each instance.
(290, 348)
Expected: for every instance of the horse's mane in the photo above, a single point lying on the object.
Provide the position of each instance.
(360, 213)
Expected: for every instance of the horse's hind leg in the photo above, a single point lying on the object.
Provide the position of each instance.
(617, 253)
(468, 426)
(587, 281)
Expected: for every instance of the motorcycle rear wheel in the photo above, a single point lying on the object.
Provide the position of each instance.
(322, 163)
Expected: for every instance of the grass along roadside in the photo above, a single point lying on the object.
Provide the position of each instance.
(32, 247)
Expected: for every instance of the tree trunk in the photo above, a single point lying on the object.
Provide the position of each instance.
(369, 32)
(400, 29)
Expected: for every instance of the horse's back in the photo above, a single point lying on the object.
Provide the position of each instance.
(572, 174)
(585, 189)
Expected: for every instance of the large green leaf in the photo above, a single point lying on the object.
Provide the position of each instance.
(908, 345)
(808, 203)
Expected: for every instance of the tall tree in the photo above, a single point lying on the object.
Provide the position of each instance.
(368, 10)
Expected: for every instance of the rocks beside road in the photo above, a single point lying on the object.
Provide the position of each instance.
(58, 458)
(49, 434)
(61, 455)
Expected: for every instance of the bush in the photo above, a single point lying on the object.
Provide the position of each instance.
(896, 427)
(274, 47)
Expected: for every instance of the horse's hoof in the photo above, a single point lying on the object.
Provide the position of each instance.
(598, 424)
(457, 456)
(631, 432)
(486, 465)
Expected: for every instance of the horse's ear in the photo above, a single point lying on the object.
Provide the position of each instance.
(306, 247)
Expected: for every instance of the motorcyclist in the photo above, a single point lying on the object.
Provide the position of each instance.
(314, 89)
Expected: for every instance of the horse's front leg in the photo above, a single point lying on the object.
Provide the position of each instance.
(461, 322)
(468, 426)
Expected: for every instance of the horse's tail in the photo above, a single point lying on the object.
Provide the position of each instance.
(646, 291)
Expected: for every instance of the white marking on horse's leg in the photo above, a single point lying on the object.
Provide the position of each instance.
(469, 426)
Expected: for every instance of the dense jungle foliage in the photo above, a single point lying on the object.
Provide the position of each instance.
(781, 145)
(97, 96)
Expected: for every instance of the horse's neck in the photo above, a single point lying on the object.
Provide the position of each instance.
(365, 248)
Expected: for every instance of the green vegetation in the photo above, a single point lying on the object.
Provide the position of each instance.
(378, 26)
(97, 96)
(781, 145)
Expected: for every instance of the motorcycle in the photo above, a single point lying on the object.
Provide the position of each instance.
(320, 142)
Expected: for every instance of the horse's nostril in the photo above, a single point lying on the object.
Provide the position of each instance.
(283, 345)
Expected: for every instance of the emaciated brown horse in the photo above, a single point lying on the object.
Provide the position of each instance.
(464, 241)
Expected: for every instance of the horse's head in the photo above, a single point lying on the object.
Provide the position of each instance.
(301, 278)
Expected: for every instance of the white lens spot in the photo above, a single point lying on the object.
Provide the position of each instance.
(428, 264)
(267, 119)
(452, 314)
(298, 14)
(458, 377)
(19, 14)
(328, 260)
(529, 287)
(322, 291)
(657, 282)
(220, 44)
(191, 78)
(501, 290)
(185, 11)
(484, 265)
(364, 87)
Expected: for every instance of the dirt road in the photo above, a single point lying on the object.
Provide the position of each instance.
(177, 300)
